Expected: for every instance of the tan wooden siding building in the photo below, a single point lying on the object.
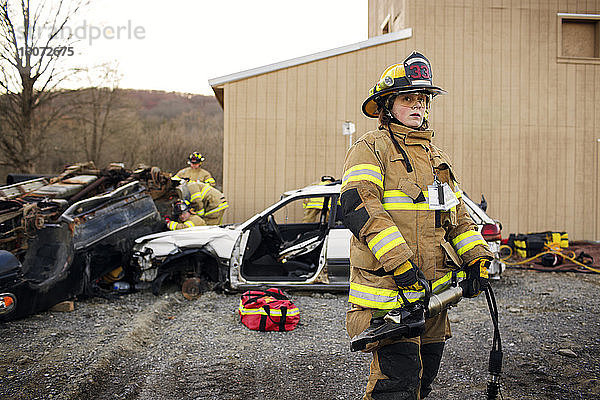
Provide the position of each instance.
(521, 120)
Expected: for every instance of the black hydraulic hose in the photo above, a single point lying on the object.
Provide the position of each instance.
(495, 362)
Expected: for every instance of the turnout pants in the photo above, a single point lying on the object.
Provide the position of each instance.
(402, 369)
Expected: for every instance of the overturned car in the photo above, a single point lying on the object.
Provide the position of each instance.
(274, 248)
(59, 235)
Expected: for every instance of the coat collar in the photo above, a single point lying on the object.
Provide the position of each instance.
(411, 136)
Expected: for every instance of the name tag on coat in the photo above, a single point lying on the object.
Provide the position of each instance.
(441, 197)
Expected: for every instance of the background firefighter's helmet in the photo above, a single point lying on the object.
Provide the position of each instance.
(179, 207)
(413, 75)
(181, 188)
(195, 158)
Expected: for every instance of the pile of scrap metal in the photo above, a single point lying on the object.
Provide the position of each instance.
(60, 235)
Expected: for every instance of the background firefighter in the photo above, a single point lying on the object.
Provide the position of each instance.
(184, 217)
(313, 206)
(206, 201)
(195, 173)
(401, 200)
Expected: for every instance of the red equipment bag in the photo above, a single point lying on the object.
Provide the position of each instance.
(268, 310)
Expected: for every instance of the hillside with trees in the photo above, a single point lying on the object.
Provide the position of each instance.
(105, 125)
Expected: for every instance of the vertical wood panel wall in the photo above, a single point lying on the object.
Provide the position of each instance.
(520, 126)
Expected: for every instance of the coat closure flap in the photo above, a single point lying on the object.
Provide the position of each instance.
(440, 162)
(411, 189)
(396, 157)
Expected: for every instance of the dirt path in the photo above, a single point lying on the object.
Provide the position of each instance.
(145, 347)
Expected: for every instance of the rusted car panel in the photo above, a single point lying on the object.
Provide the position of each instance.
(58, 237)
(18, 189)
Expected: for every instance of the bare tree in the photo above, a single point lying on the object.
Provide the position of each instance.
(31, 70)
(168, 143)
(102, 113)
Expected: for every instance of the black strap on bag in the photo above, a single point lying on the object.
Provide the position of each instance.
(263, 319)
(262, 293)
(282, 319)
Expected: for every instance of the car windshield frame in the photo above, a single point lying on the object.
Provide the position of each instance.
(295, 195)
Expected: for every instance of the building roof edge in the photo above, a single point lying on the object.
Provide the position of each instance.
(374, 41)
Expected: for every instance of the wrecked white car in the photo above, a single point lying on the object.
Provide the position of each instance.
(273, 248)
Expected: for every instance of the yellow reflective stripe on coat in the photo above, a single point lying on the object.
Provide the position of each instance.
(466, 241)
(363, 172)
(386, 299)
(383, 299)
(385, 240)
(201, 194)
(172, 225)
(457, 192)
(446, 281)
(209, 181)
(314, 202)
(189, 224)
(398, 200)
(273, 311)
(220, 207)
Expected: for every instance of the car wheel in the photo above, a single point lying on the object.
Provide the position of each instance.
(192, 288)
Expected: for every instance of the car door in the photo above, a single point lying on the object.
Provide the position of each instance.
(282, 248)
(338, 254)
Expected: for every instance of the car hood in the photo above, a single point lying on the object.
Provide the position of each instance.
(221, 239)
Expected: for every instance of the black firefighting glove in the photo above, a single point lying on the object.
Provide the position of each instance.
(477, 277)
(407, 276)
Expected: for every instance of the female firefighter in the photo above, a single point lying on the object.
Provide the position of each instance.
(401, 201)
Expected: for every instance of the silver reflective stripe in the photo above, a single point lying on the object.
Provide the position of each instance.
(358, 172)
(379, 301)
(397, 199)
(386, 240)
(387, 299)
(466, 241)
(375, 298)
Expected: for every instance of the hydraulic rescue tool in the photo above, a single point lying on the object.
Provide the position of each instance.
(409, 321)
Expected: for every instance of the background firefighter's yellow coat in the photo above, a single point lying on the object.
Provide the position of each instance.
(192, 221)
(207, 202)
(196, 175)
(385, 202)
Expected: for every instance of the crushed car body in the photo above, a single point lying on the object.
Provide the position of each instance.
(59, 235)
(274, 248)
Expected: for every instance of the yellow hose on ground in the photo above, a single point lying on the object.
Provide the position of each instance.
(553, 248)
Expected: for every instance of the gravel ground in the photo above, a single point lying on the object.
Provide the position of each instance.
(140, 346)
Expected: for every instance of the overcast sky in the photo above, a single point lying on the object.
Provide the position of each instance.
(180, 45)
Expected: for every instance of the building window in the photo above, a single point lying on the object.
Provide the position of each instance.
(579, 38)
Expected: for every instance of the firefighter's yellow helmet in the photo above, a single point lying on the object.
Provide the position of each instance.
(412, 75)
(195, 158)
